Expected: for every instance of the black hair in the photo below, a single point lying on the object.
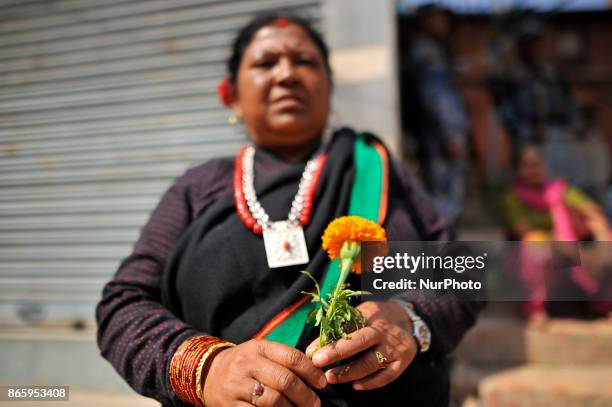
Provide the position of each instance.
(428, 9)
(247, 33)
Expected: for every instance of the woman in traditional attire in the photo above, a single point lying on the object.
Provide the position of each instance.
(549, 208)
(209, 308)
(539, 209)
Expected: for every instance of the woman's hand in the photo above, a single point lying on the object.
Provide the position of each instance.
(388, 331)
(286, 373)
(597, 222)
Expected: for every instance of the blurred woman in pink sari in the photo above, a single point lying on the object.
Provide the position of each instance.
(539, 209)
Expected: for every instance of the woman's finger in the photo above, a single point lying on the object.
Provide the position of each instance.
(294, 360)
(366, 365)
(381, 378)
(359, 341)
(312, 348)
(286, 382)
(264, 396)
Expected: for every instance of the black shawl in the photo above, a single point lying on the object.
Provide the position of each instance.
(218, 279)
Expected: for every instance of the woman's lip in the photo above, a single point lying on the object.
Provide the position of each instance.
(288, 98)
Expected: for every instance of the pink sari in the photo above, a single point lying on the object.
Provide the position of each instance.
(534, 262)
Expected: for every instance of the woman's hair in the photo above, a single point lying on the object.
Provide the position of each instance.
(247, 33)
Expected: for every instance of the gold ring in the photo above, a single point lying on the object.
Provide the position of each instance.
(380, 359)
(345, 370)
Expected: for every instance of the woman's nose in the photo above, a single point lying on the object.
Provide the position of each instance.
(285, 71)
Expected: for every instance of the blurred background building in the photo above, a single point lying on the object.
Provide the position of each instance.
(103, 103)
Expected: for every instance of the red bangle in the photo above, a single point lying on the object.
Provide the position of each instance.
(184, 365)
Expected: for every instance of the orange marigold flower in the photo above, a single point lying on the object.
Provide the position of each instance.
(350, 229)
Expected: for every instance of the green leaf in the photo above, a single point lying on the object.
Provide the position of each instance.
(315, 297)
(357, 293)
(319, 316)
(311, 316)
(307, 274)
(324, 303)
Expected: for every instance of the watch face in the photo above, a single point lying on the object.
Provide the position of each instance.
(424, 336)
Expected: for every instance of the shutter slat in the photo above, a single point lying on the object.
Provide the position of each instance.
(102, 106)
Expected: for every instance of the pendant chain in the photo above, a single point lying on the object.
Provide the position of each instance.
(249, 208)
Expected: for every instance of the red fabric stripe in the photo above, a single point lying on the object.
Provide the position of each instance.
(384, 194)
(280, 317)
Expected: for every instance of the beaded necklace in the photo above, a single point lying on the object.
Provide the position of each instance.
(284, 241)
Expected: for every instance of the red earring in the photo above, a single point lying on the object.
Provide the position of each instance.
(224, 92)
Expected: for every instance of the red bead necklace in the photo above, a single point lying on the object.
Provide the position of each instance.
(240, 200)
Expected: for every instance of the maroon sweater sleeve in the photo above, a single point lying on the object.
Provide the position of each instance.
(136, 333)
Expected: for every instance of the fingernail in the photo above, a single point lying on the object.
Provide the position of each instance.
(317, 403)
(310, 352)
(357, 386)
(331, 377)
(322, 382)
(320, 358)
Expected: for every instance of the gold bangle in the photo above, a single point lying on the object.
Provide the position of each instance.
(184, 363)
(199, 384)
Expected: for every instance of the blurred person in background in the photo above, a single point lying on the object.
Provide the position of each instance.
(533, 100)
(593, 169)
(437, 117)
(187, 317)
(529, 206)
(608, 199)
(539, 209)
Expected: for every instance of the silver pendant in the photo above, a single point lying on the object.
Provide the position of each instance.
(285, 245)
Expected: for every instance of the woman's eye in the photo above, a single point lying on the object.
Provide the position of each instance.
(307, 61)
(265, 63)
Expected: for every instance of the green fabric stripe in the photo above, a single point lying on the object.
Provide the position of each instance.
(364, 202)
(367, 186)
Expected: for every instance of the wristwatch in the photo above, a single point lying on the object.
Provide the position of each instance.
(420, 330)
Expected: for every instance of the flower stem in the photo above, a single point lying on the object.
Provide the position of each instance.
(349, 253)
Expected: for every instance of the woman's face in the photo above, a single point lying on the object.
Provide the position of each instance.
(283, 88)
(531, 168)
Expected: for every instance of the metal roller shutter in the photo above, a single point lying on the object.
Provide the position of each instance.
(102, 104)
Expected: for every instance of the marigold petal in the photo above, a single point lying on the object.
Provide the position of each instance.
(353, 228)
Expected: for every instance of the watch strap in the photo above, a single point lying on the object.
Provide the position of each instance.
(418, 324)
